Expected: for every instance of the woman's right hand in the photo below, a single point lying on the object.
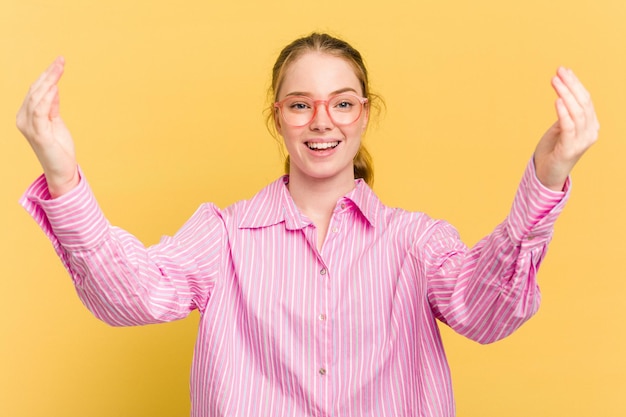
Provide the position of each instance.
(40, 122)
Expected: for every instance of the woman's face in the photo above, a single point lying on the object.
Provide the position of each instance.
(321, 149)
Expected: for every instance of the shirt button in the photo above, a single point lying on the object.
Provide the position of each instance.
(343, 206)
(322, 371)
(322, 317)
(335, 229)
(323, 271)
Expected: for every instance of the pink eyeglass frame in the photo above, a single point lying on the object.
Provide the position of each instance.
(316, 103)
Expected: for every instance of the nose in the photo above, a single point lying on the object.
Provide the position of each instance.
(321, 119)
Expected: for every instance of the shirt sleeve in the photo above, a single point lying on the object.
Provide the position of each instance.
(490, 290)
(120, 280)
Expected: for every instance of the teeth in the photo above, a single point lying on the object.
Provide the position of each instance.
(322, 145)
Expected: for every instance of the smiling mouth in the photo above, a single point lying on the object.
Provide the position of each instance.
(322, 146)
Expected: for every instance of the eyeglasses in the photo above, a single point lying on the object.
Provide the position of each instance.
(343, 109)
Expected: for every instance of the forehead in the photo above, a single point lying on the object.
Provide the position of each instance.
(319, 73)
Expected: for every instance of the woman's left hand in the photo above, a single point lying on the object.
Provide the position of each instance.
(575, 130)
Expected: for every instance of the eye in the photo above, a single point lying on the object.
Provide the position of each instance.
(344, 103)
(299, 106)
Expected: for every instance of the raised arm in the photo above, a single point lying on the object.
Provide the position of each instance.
(120, 280)
(486, 293)
(40, 122)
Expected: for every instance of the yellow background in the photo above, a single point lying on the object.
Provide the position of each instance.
(165, 101)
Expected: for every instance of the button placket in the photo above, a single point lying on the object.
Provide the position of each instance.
(324, 330)
(335, 221)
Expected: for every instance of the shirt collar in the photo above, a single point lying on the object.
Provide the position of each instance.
(366, 201)
(273, 205)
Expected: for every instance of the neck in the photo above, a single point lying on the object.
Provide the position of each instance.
(316, 198)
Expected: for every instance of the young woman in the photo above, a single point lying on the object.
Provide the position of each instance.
(315, 298)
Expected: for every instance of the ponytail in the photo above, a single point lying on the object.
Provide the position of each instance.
(363, 166)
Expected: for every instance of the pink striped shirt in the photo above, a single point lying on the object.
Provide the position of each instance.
(287, 330)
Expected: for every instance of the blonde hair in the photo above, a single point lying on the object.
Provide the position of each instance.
(321, 42)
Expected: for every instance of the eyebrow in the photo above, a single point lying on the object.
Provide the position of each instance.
(341, 90)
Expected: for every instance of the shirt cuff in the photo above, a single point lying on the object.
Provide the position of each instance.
(73, 220)
(535, 209)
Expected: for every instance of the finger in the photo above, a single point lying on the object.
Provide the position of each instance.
(579, 92)
(55, 104)
(574, 108)
(584, 97)
(50, 76)
(57, 61)
(42, 112)
(37, 91)
(575, 86)
(566, 123)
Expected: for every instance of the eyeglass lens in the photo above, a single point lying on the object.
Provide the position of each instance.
(343, 109)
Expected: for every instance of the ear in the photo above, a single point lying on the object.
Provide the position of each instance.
(366, 117)
(277, 122)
